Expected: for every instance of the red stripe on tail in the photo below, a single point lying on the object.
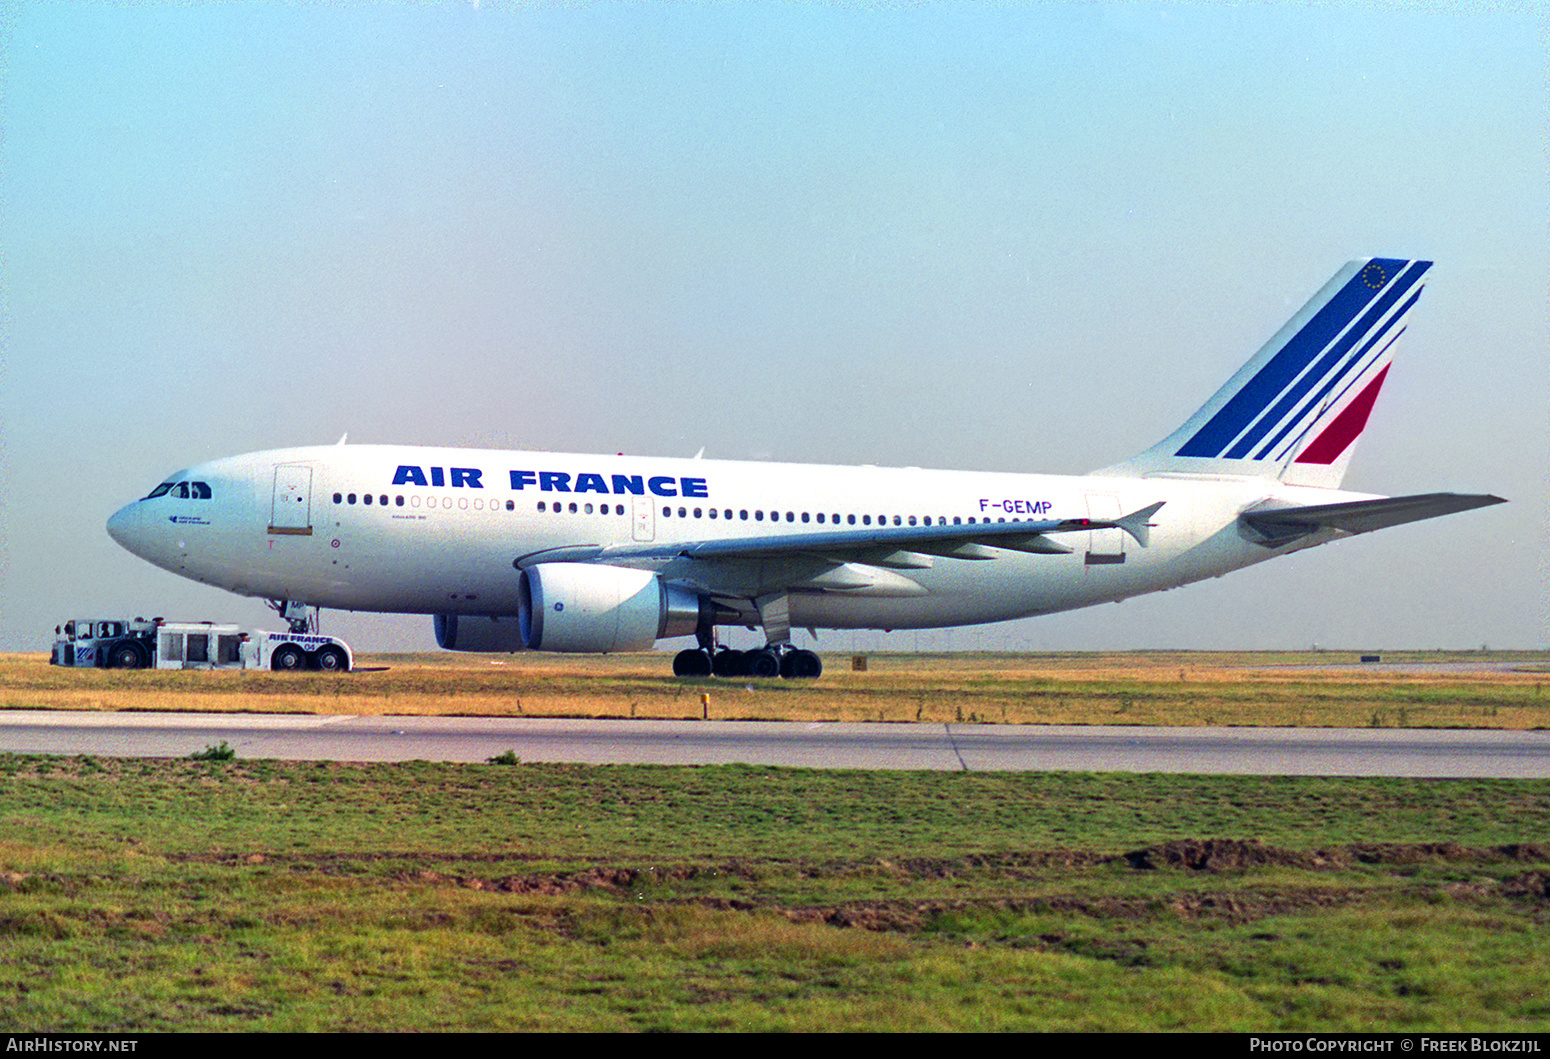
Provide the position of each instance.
(1337, 437)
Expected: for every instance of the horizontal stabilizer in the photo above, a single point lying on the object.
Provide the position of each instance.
(1276, 526)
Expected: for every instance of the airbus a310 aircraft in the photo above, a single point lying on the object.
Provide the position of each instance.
(513, 550)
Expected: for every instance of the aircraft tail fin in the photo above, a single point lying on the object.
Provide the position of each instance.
(1294, 411)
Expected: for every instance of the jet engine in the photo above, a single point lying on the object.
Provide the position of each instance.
(475, 632)
(586, 607)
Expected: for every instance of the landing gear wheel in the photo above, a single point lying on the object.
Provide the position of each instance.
(127, 656)
(801, 665)
(765, 663)
(693, 662)
(729, 663)
(288, 658)
(331, 659)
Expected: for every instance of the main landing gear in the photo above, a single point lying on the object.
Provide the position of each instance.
(774, 660)
(777, 658)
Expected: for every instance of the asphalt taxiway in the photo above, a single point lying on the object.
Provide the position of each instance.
(955, 747)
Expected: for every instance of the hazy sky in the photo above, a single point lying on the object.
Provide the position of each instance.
(1008, 237)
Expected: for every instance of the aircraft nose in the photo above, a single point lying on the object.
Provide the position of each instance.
(127, 526)
(118, 525)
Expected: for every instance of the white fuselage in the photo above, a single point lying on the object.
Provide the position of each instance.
(440, 531)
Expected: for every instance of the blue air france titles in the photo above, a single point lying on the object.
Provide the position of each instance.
(556, 481)
(665, 485)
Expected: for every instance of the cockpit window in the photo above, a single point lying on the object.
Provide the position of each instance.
(182, 491)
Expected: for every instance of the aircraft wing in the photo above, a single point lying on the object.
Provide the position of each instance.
(1278, 526)
(898, 546)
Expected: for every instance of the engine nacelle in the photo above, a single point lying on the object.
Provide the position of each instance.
(475, 632)
(586, 607)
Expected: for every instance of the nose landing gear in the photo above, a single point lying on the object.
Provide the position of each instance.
(297, 615)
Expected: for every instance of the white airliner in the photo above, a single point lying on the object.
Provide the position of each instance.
(544, 551)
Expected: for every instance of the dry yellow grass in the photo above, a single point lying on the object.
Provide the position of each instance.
(1143, 688)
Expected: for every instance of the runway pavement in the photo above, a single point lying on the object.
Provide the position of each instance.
(974, 747)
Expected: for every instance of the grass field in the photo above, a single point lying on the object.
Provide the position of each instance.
(180, 895)
(1145, 688)
(140, 895)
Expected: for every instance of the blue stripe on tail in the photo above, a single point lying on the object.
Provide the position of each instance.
(1246, 406)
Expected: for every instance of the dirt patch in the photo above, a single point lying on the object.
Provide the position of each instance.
(38, 882)
(1234, 907)
(1227, 854)
(601, 877)
(1224, 854)
(1005, 875)
(1011, 864)
(1213, 856)
(1534, 884)
(1446, 852)
(598, 878)
(1210, 855)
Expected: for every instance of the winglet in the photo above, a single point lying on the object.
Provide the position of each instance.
(1137, 523)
